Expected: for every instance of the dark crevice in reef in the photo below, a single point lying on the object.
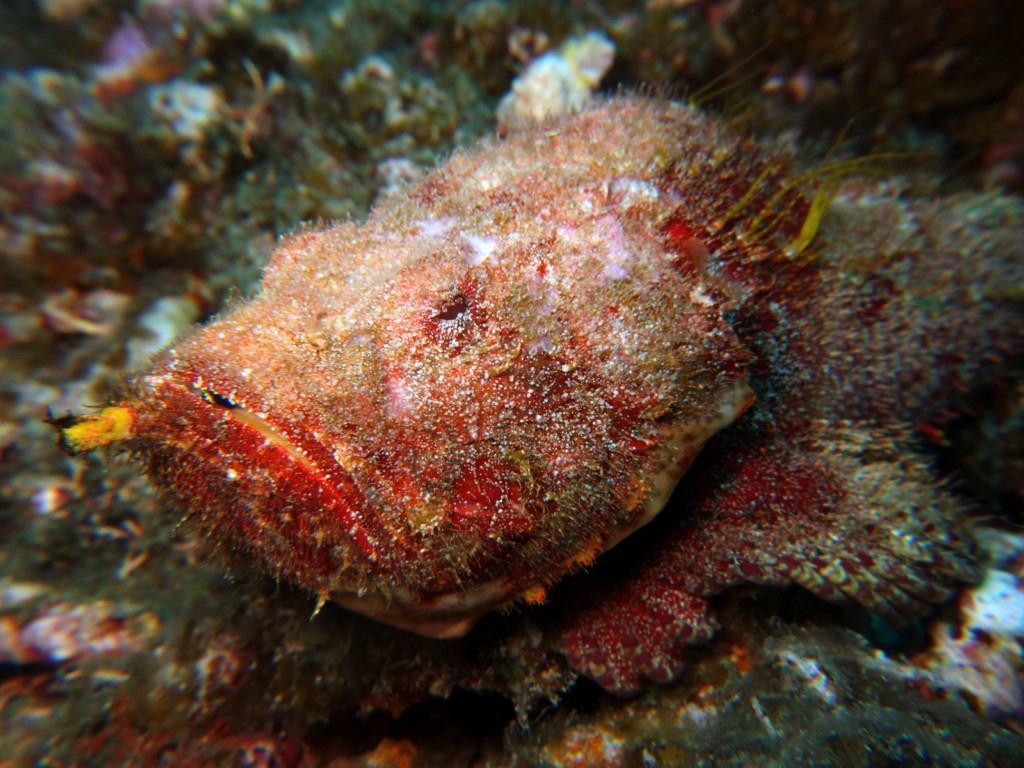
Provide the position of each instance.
(26, 670)
(475, 722)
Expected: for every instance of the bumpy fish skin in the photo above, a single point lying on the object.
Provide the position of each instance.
(505, 370)
(448, 407)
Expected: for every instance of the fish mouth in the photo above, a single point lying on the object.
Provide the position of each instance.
(235, 432)
(242, 425)
(260, 482)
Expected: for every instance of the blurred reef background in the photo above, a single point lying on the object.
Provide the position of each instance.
(151, 151)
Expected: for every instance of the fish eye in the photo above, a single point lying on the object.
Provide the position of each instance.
(450, 317)
(215, 398)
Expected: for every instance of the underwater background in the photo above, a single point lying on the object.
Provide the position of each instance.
(151, 154)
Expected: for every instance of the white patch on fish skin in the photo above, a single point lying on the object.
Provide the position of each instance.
(627, 192)
(481, 248)
(615, 271)
(431, 228)
(400, 400)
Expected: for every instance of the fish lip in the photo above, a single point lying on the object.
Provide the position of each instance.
(223, 396)
(445, 616)
(174, 396)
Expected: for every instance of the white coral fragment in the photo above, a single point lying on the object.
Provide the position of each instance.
(557, 83)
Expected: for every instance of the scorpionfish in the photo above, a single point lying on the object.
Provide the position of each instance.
(510, 366)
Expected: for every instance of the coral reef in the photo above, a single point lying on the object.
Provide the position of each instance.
(153, 150)
(794, 698)
(557, 83)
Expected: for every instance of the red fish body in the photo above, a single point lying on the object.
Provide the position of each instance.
(506, 369)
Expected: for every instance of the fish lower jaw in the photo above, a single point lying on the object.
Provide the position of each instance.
(445, 616)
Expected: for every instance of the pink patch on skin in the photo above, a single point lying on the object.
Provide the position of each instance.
(618, 254)
(399, 403)
(434, 227)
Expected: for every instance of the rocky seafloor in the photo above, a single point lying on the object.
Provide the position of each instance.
(153, 150)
